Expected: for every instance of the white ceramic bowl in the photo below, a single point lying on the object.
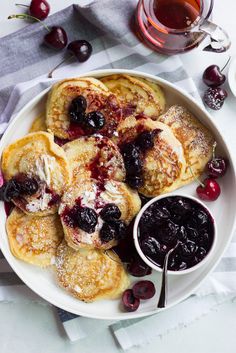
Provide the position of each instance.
(150, 263)
(43, 282)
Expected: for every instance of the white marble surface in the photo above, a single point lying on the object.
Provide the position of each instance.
(34, 328)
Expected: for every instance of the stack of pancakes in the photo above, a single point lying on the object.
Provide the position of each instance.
(90, 168)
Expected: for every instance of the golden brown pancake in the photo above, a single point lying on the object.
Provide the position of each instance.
(196, 139)
(37, 156)
(94, 157)
(137, 96)
(95, 195)
(98, 99)
(34, 239)
(90, 275)
(164, 164)
(39, 124)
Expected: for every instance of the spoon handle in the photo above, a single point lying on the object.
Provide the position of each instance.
(163, 294)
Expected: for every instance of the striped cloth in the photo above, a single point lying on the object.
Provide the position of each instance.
(24, 64)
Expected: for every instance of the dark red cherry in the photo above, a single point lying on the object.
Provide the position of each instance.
(129, 301)
(81, 49)
(144, 290)
(138, 268)
(110, 212)
(213, 77)
(56, 38)
(215, 97)
(209, 190)
(95, 120)
(217, 167)
(39, 9)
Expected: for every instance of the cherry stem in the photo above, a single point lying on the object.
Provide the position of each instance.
(24, 16)
(199, 181)
(214, 150)
(23, 5)
(226, 63)
(62, 62)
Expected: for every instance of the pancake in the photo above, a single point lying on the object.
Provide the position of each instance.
(34, 239)
(98, 98)
(94, 157)
(137, 96)
(90, 275)
(39, 124)
(164, 164)
(95, 195)
(196, 139)
(37, 156)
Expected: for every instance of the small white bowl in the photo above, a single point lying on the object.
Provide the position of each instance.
(232, 76)
(150, 263)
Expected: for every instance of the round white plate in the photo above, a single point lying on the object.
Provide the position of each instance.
(43, 282)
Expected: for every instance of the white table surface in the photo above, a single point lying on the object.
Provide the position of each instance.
(31, 328)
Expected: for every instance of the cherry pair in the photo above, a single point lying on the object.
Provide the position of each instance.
(213, 77)
(210, 190)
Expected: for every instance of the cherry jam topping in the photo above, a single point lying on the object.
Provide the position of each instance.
(171, 220)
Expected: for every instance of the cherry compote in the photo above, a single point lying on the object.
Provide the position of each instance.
(176, 220)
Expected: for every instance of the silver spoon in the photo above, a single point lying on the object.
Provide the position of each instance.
(163, 295)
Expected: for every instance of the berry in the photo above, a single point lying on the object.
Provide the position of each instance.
(81, 49)
(180, 207)
(2, 192)
(214, 97)
(29, 186)
(138, 268)
(217, 167)
(107, 232)
(150, 246)
(129, 301)
(95, 120)
(132, 160)
(209, 190)
(77, 110)
(145, 140)
(213, 76)
(56, 38)
(134, 182)
(12, 190)
(144, 290)
(120, 227)
(87, 219)
(39, 9)
(110, 212)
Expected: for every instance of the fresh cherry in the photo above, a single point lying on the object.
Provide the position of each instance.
(56, 38)
(215, 97)
(144, 290)
(39, 9)
(217, 167)
(81, 49)
(129, 301)
(213, 77)
(209, 190)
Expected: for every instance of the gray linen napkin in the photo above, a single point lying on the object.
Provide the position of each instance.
(25, 62)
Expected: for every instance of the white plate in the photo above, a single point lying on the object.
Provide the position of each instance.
(43, 281)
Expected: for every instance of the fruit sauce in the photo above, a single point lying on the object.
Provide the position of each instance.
(175, 220)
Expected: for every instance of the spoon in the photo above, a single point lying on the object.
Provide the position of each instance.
(163, 294)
